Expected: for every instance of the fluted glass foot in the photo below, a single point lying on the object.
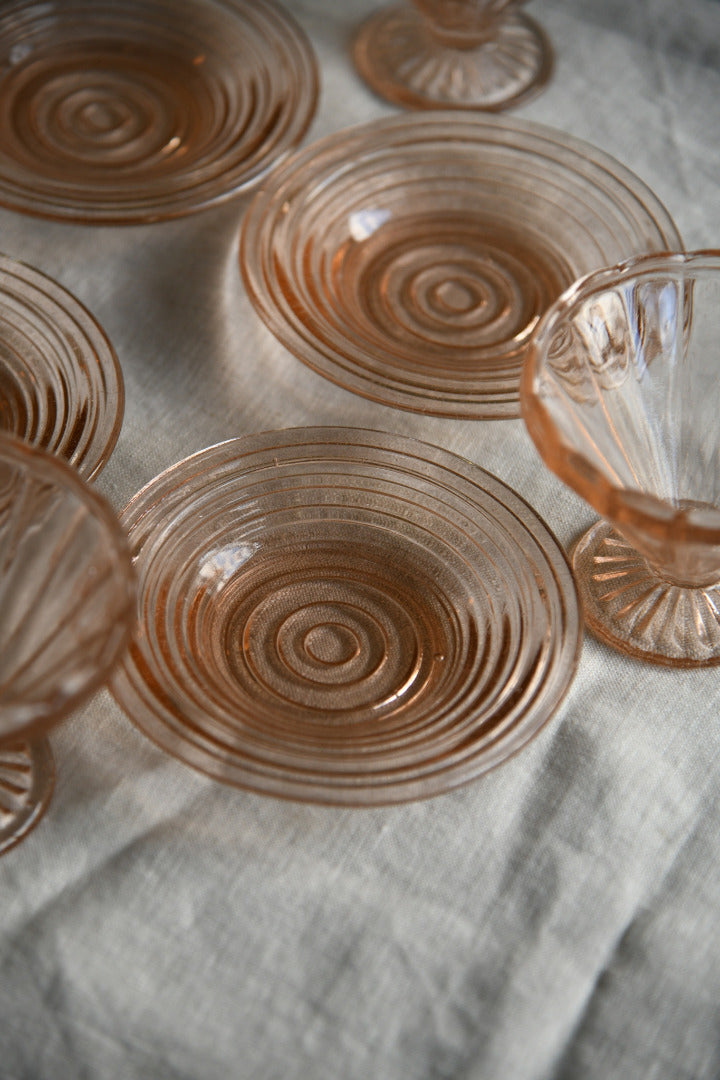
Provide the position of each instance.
(401, 58)
(627, 604)
(27, 777)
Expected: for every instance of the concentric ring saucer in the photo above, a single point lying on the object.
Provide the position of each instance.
(343, 616)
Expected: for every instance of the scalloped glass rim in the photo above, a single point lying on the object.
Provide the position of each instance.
(325, 476)
(56, 473)
(246, 142)
(303, 311)
(81, 364)
(660, 519)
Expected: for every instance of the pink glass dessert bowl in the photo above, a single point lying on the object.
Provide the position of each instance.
(67, 607)
(343, 616)
(145, 110)
(621, 396)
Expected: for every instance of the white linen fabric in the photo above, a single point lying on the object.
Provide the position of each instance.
(560, 918)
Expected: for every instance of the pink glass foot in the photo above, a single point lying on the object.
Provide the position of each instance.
(27, 777)
(414, 61)
(633, 608)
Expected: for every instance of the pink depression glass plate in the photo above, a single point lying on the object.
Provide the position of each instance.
(410, 259)
(343, 616)
(61, 387)
(146, 109)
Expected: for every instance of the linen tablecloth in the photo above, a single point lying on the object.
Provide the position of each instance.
(559, 918)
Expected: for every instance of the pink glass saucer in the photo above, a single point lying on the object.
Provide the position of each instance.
(146, 109)
(61, 386)
(343, 616)
(410, 259)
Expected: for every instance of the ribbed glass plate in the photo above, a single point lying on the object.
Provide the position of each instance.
(61, 387)
(146, 109)
(344, 616)
(410, 259)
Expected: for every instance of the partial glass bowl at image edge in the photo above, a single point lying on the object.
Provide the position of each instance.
(145, 110)
(61, 385)
(67, 610)
(621, 395)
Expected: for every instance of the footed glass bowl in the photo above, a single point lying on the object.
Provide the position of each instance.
(67, 603)
(462, 54)
(621, 395)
